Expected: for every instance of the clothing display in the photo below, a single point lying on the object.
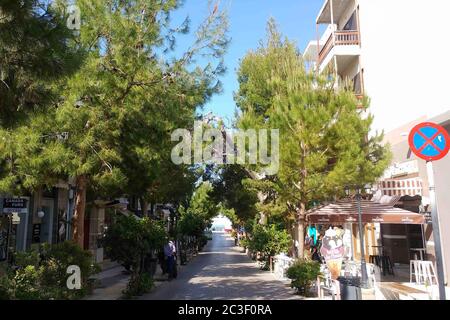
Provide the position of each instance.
(311, 231)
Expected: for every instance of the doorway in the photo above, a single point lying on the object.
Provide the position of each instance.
(47, 221)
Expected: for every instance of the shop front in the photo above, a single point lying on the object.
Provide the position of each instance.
(342, 217)
(13, 225)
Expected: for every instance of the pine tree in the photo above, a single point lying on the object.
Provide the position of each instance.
(324, 142)
(37, 53)
(128, 96)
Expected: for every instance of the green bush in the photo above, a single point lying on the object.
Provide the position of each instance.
(269, 241)
(5, 282)
(303, 273)
(27, 258)
(130, 241)
(26, 283)
(202, 241)
(56, 259)
(44, 276)
(139, 285)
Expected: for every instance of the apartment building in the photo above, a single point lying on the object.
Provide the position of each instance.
(394, 51)
(407, 177)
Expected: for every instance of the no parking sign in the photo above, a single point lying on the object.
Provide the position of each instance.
(429, 141)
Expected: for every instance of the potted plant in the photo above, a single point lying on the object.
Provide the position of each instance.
(303, 273)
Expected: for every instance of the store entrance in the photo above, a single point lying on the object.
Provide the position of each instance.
(400, 240)
(47, 221)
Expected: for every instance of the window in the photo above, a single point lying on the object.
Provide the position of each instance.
(351, 23)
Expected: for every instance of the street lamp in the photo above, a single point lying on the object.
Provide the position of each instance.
(358, 189)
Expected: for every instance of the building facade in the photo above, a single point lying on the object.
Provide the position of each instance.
(392, 51)
(41, 217)
(407, 176)
(380, 49)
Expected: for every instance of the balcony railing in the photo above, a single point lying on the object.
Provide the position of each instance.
(339, 38)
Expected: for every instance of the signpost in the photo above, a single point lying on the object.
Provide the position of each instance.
(431, 142)
(12, 205)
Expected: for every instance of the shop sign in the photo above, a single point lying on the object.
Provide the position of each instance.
(36, 233)
(402, 169)
(11, 205)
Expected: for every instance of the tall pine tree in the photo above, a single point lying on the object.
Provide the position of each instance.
(324, 142)
(124, 102)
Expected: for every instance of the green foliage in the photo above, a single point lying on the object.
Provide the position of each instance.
(37, 54)
(202, 208)
(303, 273)
(237, 200)
(45, 276)
(36, 51)
(5, 287)
(56, 259)
(269, 241)
(191, 224)
(128, 240)
(324, 142)
(27, 258)
(118, 106)
(138, 285)
(26, 283)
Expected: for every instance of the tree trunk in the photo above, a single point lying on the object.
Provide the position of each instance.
(144, 207)
(79, 212)
(301, 231)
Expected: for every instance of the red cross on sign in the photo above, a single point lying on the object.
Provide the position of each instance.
(429, 141)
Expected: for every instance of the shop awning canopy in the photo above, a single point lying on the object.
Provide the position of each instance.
(372, 212)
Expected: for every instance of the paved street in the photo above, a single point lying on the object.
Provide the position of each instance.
(222, 271)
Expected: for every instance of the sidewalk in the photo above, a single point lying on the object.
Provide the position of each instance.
(113, 281)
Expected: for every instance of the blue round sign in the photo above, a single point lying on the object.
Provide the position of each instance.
(429, 141)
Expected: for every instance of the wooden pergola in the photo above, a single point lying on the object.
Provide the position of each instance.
(346, 211)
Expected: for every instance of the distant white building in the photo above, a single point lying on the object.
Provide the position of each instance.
(221, 223)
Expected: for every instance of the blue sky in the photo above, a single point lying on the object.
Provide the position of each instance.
(248, 19)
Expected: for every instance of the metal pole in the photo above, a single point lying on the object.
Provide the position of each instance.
(361, 242)
(436, 232)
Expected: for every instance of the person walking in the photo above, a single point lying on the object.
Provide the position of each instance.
(170, 253)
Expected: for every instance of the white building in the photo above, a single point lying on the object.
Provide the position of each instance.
(221, 223)
(394, 51)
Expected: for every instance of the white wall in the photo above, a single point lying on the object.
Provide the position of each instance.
(406, 61)
(221, 222)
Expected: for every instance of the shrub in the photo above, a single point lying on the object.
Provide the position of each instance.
(269, 241)
(139, 285)
(202, 241)
(5, 286)
(44, 276)
(129, 241)
(27, 258)
(303, 273)
(26, 284)
(56, 259)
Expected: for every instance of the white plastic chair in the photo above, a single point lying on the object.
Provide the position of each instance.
(423, 272)
(428, 272)
(415, 270)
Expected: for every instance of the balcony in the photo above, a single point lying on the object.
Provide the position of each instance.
(342, 38)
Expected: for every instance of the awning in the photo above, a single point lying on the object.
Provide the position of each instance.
(372, 212)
